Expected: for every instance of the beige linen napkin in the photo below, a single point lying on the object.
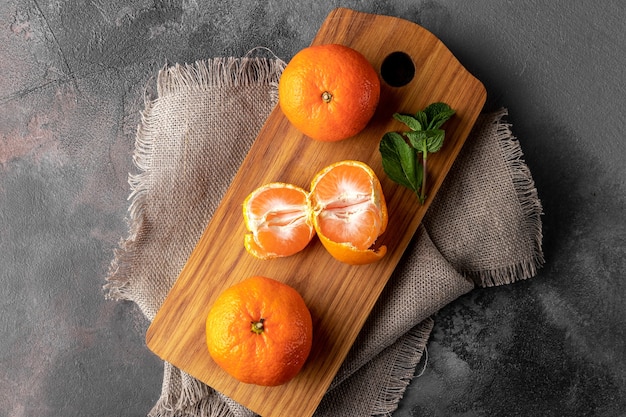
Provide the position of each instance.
(483, 229)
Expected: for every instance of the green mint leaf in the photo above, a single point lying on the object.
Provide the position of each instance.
(441, 119)
(437, 114)
(399, 161)
(433, 109)
(422, 117)
(417, 139)
(408, 120)
(434, 140)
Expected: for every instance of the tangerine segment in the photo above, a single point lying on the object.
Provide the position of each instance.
(357, 224)
(349, 208)
(260, 331)
(329, 92)
(277, 217)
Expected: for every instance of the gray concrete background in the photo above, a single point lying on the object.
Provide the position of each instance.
(73, 75)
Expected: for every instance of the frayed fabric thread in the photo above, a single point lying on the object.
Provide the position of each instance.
(218, 72)
(184, 396)
(530, 205)
(403, 369)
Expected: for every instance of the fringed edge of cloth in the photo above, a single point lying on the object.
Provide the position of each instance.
(530, 205)
(403, 369)
(118, 277)
(218, 72)
(192, 399)
(200, 76)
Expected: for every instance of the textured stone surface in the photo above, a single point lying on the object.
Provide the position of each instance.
(74, 77)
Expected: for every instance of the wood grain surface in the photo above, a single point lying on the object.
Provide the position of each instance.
(339, 296)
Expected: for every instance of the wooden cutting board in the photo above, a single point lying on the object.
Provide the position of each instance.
(339, 296)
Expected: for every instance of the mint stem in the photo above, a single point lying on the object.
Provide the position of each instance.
(422, 196)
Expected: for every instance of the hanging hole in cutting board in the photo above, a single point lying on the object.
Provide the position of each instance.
(397, 69)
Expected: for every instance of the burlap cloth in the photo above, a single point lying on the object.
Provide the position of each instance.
(483, 229)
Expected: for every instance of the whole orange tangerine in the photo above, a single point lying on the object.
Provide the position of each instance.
(260, 331)
(329, 92)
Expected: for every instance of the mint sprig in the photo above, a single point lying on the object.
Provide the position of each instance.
(401, 152)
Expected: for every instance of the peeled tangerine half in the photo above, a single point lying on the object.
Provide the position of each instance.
(277, 216)
(345, 207)
(349, 211)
